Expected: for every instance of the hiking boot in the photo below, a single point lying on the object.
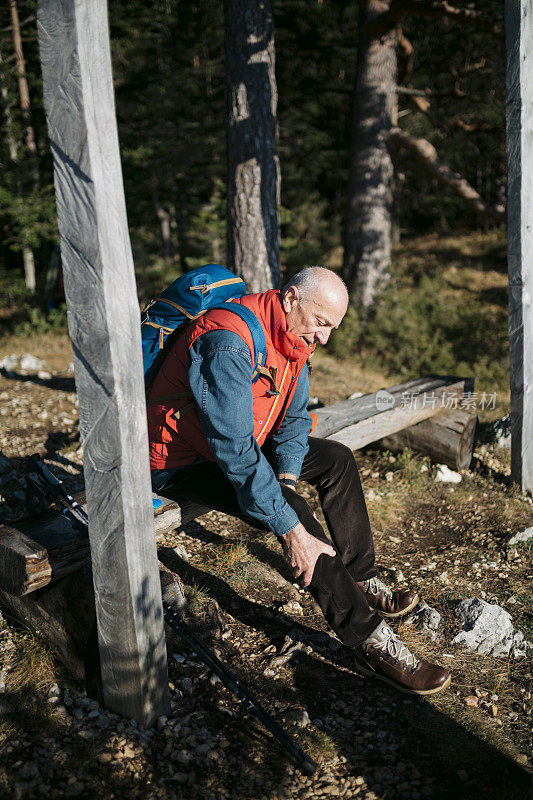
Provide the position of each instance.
(388, 603)
(386, 657)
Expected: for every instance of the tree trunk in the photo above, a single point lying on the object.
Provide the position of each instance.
(253, 169)
(27, 253)
(368, 219)
(24, 96)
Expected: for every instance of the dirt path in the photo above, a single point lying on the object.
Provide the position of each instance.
(448, 541)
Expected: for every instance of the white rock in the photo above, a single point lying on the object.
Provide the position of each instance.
(355, 395)
(9, 363)
(447, 475)
(523, 536)
(300, 717)
(425, 619)
(292, 607)
(488, 629)
(29, 363)
(520, 645)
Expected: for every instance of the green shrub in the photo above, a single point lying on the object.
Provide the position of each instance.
(36, 322)
(423, 328)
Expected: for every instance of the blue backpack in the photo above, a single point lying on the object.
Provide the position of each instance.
(188, 297)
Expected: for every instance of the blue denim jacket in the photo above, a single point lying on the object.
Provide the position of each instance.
(219, 376)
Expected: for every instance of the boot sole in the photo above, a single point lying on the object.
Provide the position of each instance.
(373, 674)
(400, 613)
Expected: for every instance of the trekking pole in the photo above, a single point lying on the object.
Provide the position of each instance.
(53, 490)
(232, 682)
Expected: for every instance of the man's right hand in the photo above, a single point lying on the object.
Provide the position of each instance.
(301, 551)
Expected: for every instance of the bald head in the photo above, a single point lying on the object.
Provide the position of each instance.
(315, 301)
(313, 281)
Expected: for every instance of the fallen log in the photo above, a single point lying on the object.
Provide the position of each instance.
(447, 438)
(367, 419)
(65, 615)
(44, 550)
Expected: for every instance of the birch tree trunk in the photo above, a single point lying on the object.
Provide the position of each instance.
(27, 253)
(368, 218)
(253, 169)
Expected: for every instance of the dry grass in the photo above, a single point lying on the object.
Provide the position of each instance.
(197, 597)
(332, 381)
(31, 666)
(229, 560)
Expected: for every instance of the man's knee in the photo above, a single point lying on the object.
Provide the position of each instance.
(336, 456)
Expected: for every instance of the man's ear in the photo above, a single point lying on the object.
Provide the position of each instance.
(290, 298)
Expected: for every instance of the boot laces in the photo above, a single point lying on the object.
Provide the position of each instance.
(375, 586)
(397, 650)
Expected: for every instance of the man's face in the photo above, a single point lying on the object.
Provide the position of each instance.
(313, 318)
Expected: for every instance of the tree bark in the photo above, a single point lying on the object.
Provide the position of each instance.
(253, 169)
(368, 219)
(103, 320)
(24, 96)
(27, 253)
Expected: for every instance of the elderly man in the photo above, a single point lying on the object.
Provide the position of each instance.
(239, 447)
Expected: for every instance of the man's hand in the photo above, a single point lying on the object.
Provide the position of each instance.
(301, 551)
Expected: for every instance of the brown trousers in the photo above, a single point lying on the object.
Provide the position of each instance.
(330, 467)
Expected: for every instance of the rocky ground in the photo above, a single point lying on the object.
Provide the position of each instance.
(448, 540)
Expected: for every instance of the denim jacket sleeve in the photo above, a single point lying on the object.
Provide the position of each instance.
(290, 441)
(220, 379)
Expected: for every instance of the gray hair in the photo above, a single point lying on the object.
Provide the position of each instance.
(308, 281)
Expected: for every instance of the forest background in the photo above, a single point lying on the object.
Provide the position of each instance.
(444, 308)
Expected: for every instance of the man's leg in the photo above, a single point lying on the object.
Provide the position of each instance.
(378, 651)
(333, 587)
(331, 468)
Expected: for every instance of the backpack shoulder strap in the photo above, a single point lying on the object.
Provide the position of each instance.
(258, 335)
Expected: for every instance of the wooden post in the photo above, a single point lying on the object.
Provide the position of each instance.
(103, 318)
(519, 34)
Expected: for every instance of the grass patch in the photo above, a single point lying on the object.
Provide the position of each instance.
(319, 745)
(229, 560)
(196, 596)
(32, 665)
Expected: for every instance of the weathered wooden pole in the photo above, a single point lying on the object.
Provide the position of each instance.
(519, 35)
(103, 319)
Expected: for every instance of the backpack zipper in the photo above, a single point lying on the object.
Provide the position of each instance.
(204, 287)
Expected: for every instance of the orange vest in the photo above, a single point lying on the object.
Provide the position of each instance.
(175, 434)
